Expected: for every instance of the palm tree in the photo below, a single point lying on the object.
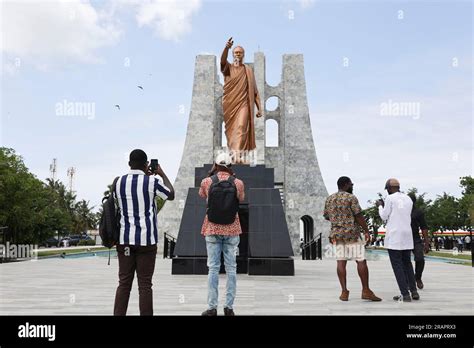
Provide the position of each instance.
(85, 218)
(372, 217)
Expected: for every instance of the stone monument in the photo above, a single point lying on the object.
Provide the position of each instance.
(296, 171)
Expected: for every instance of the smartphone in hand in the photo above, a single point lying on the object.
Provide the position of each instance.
(153, 165)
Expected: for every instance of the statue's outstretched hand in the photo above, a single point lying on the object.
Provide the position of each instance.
(259, 113)
(229, 43)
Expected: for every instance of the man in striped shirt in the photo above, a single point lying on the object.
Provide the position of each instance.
(136, 250)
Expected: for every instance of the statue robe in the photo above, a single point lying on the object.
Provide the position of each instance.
(240, 95)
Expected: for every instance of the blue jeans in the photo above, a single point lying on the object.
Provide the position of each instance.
(216, 245)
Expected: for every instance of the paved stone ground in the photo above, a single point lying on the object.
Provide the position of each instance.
(86, 286)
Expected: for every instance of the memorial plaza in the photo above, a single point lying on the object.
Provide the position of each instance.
(86, 286)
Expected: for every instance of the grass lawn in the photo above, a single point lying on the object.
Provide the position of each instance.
(463, 256)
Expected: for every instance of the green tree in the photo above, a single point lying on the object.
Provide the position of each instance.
(372, 216)
(63, 202)
(35, 210)
(26, 206)
(424, 205)
(160, 202)
(84, 218)
(444, 213)
(421, 202)
(466, 202)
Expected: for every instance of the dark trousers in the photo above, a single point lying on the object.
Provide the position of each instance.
(403, 269)
(419, 254)
(142, 260)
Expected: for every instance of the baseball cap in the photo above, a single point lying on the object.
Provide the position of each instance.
(224, 159)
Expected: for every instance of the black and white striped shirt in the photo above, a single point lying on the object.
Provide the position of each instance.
(136, 194)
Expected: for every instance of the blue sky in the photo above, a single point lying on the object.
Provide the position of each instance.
(404, 52)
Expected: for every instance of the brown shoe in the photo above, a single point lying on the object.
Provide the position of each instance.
(369, 295)
(344, 295)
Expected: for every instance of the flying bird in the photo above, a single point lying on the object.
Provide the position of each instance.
(117, 106)
(140, 87)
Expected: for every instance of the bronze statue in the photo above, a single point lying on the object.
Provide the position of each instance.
(240, 94)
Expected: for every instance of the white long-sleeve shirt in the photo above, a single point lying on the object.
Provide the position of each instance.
(397, 214)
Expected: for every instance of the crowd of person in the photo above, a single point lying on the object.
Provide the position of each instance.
(461, 243)
(136, 191)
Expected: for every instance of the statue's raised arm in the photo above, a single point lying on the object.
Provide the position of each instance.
(225, 53)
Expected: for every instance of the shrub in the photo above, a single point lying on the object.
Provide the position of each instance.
(86, 242)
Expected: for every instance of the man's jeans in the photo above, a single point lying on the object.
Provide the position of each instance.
(216, 245)
(403, 269)
(419, 254)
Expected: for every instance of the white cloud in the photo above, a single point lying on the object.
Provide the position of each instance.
(170, 19)
(10, 67)
(54, 32)
(44, 33)
(306, 3)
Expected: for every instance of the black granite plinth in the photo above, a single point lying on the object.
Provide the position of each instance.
(198, 265)
(265, 245)
(283, 266)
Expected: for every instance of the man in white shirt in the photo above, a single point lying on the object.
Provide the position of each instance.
(396, 212)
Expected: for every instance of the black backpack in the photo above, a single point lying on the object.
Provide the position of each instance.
(109, 227)
(222, 202)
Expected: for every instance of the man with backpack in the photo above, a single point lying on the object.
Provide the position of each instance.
(136, 245)
(221, 228)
